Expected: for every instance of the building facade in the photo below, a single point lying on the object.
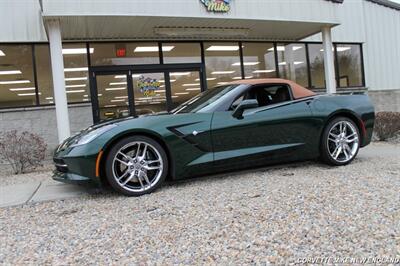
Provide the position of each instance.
(66, 64)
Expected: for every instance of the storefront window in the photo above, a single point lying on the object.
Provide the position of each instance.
(76, 72)
(292, 63)
(112, 96)
(259, 60)
(222, 63)
(17, 85)
(184, 86)
(44, 75)
(179, 53)
(349, 63)
(121, 53)
(317, 70)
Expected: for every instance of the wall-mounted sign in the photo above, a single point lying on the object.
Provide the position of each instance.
(121, 52)
(217, 5)
(148, 86)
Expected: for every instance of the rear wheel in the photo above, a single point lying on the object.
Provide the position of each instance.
(340, 141)
(136, 165)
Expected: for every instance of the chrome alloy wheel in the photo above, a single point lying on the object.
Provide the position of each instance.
(137, 166)
(343, 141)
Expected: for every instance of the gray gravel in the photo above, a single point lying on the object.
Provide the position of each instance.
(40, 174)
(274, 215)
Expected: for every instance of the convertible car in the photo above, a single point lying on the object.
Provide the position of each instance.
(242, 124)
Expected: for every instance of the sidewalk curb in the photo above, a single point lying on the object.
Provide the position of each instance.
(20, 194)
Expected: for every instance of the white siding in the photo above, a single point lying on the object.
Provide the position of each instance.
(289, 10)
(351, 28)
(378, 28)
(21, 21)
(382, 47)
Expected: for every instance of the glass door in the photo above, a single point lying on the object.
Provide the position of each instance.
(184, 86)
(113, 96)
(149, 92)
(123, 91)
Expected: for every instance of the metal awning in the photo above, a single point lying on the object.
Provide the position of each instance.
(189, 19)
(162, 28)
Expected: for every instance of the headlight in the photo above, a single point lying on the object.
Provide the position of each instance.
(85, 139)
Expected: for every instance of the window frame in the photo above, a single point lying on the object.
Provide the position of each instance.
(201, 42)
(261, 86)
(337, 66)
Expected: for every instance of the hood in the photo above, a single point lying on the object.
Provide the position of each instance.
(121, 120)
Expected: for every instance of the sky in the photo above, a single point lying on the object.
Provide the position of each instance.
(396, 1)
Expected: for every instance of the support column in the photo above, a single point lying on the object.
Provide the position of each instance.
(329, 63)
(57, 67)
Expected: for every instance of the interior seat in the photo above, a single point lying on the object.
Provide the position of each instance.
(281, 95)
(263, 97)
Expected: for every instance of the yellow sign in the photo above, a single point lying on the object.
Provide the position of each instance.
(222, 6)
(148, 86)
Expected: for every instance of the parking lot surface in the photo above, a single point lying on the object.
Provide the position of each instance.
(280, 214)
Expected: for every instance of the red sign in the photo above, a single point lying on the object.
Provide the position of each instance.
(121, 52)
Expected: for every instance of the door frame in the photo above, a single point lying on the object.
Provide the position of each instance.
(129, 70)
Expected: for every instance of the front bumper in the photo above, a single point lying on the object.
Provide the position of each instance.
(80, 163)
(75, 166)
(71, 178)
(77, 170)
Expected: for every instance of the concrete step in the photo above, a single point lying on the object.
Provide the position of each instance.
(53, 190)
(17, 194)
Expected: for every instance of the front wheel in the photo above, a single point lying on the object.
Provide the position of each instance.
(340, 141)
(136, 165)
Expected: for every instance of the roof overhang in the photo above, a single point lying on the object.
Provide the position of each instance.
(97, 27)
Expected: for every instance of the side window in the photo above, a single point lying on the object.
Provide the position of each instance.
(265, 95)
(280, 94)
(236, 102)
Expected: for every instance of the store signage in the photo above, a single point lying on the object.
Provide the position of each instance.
(222, 6)
(148, 86)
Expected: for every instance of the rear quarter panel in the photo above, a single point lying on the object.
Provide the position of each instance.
(357, 107)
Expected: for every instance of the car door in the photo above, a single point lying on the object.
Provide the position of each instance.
(278, 131)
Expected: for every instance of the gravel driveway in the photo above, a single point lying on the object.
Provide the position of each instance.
(276, 215)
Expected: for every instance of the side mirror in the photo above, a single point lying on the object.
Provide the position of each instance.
(245, 104)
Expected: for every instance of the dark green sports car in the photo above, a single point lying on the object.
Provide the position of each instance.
(238, 125)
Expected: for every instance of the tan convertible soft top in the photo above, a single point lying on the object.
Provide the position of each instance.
(297, 90)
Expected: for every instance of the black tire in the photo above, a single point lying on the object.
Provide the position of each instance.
(109, 170)
(326, 156)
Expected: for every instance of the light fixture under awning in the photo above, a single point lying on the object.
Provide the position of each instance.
(14, 82)
(264, 71)
(76, 69)
(148, 49)
(10, 72)
(222, 72)
(219, 48)
(28, 94)
(23, 89)
(76, 51)
(201, 31)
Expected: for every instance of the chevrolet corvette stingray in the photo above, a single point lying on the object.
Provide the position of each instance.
(238, 125)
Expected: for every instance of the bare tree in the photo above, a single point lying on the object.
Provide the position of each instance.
(23, 151)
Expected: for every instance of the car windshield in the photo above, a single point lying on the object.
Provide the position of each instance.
(205, 101)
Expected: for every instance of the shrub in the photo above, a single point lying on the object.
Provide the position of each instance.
(24, 151)
(387, 125)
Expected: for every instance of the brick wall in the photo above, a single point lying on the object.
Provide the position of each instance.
(385, 100)
(42, 121)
